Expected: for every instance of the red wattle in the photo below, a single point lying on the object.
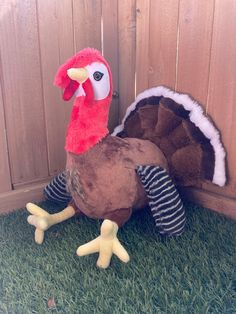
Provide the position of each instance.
(70, 90)
(88, 88)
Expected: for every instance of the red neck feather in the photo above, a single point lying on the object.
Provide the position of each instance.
(88, 124)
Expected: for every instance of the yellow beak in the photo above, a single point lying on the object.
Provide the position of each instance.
(78, 74)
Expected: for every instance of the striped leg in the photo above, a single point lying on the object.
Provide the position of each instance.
(164, 200)
(56, 190)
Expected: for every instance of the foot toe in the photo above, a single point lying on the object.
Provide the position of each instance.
(39, 236)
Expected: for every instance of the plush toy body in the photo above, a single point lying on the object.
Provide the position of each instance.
(103, 181)
(164, 137)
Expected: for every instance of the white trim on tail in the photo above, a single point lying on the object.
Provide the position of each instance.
(196, 116)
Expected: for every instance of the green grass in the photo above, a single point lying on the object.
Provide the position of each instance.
(194, 273)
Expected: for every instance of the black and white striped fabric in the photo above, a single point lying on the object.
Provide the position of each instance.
(56, 190)
(164, 200)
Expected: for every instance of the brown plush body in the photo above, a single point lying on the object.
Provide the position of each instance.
(103, 181)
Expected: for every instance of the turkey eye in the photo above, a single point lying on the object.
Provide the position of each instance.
(97, 76)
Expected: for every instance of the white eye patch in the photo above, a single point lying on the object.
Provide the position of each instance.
(99, 77)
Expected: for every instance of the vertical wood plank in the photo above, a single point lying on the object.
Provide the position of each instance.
(127, 52)
(163, 42)
(56, 46)
(222, 86)
(5, 177)
(142, 44)
(23, 92)
(87, 23)
(110, 52)
(195, 32)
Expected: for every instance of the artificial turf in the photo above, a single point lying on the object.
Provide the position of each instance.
(194, 273)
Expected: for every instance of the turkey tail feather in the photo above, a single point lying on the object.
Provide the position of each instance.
(178, 125)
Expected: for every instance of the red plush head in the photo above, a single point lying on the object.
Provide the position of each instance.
(87, 76)
(82, 59)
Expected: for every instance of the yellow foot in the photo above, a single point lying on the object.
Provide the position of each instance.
(106, 244)
(40, 219)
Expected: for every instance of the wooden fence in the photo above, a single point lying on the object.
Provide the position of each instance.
(187, 45)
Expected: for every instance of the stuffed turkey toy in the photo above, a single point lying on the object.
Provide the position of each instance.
(164, 140)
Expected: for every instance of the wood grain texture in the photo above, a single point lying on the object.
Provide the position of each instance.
(87, 23)
(5, 176)
(163, 42)
(142, 44)
(222, 86)
(56, 46)
(219, 203)
(194, 47)
(110, 52)
(23, 92)
(127, 52)
(18, 198)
